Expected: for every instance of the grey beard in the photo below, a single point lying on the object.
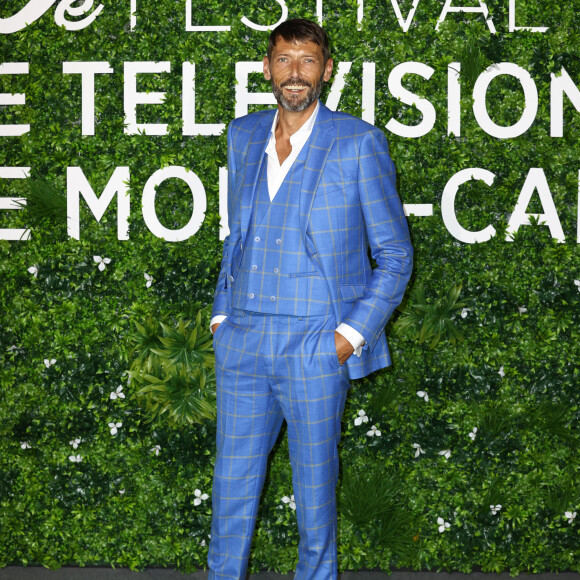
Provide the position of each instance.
(295, 107)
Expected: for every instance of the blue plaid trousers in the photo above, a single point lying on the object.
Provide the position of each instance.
(270, 368)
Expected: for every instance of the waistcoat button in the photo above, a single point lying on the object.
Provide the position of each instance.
(257, 239)
(273, 298)
(276, 270)
(278, 241)
(251, 295)
(254, 267)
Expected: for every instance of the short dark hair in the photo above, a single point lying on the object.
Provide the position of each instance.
(299, 30)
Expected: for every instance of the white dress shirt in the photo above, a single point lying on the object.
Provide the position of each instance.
(276, 174)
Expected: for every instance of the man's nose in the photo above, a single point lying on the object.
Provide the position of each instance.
(295, 68)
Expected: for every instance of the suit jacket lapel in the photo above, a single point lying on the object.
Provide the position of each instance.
(256, 154)
(319, 146)
(321, 142)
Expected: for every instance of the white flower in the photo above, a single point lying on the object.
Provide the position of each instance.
(501, 372)
(374, 431)
(443, 525)
(446, 453)
(199, 497)
(156, 449)
(464, 312)
(149, 280)
(570, 516)
(102, 262)
(495, 508)
(202, 543)
(114, 427)
(577, 282)
(418, 449)
(11, 348)
(290, 501)
(49, 362)
(522, 309)
(423, 395)
(117, 393)
(362, 418)
(75, 442)
(122, 491)
(33, 270)
(25, 445)
(473, 434)
(75, 458)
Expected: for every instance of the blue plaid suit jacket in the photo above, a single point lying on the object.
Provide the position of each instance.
(348, 203)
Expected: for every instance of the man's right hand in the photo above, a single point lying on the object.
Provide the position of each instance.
(214, 327)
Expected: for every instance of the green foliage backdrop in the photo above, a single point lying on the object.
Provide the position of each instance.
(473, 458)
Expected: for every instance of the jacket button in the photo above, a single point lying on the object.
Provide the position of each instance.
(257, 239)
(254, 267)
(250, 295)
(230, 278)
(273, 298)
(276, 270)
(278, 241)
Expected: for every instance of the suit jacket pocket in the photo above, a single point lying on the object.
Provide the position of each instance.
(352, 292)
(303, 274)
(332, 195)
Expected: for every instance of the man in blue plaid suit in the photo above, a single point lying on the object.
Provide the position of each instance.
(298, 309)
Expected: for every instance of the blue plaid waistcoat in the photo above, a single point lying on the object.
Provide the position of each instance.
(276, 275)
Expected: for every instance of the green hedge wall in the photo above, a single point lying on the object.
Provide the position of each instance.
(481, 405)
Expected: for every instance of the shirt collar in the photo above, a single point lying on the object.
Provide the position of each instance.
(306, 129)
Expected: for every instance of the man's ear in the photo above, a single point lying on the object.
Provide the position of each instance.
(328, 70)
(267, 74)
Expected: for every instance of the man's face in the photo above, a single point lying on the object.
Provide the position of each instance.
(296, 71)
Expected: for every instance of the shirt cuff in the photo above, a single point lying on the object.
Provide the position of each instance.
(353, 336)
(217, 320)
